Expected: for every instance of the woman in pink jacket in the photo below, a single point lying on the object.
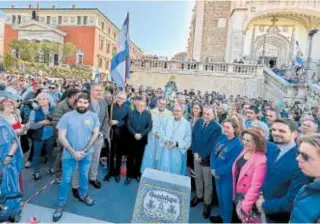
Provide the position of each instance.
(248, 173)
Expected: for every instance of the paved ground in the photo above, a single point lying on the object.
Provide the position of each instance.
(114, 202)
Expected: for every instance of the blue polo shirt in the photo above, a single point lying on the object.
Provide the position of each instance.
(79, 129)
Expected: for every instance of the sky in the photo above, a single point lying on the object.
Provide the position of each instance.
(157, 27)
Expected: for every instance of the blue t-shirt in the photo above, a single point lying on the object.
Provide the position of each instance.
(79, 129)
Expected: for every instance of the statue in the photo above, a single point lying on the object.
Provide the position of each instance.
(171, 90)
(34, 15)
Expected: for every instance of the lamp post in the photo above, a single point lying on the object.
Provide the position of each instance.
(264, 51)
(309, 60)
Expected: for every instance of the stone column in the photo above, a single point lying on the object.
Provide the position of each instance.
(236, 36)
(198, 31)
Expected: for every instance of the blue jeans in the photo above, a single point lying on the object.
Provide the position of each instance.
(68, 167)
(38, 146)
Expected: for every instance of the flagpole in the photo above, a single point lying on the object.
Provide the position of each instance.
(127, 67)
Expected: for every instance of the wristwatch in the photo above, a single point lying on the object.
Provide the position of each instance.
(177, 144)
(10, 156)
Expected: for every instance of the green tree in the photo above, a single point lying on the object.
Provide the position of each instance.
(68, 50)
(25, 49)
(49, 49)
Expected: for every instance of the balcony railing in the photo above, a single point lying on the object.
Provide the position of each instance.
(313, 93)
(195, 67)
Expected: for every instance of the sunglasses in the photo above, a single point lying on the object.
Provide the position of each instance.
(305, 156)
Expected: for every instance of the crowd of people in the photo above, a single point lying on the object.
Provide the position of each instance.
(257, 160)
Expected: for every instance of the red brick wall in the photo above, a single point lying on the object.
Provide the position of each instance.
(82, 38)
(9, 35)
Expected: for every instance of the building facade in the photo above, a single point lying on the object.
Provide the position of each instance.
(93, 34)
(255, 30)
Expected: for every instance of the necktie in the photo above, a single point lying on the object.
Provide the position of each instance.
(277, 154)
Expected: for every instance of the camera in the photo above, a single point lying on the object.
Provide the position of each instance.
(49, 118)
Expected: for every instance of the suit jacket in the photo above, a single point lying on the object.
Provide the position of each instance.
(250, 179)
(282, 183)
(103, 118)
(204, 138)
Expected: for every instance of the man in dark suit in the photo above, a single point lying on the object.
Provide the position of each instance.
(120, 113)
(204, 135)
(139, 125)
(283, 176)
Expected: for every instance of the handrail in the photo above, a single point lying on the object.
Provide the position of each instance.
(194, 66)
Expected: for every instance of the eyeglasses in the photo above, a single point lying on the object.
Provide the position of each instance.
(246, 140)
(305, 156)
(51, 87)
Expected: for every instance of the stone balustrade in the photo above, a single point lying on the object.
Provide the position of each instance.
(227, 78)
(193, 67)
(313, 94)
(280, 90)
(275, 81)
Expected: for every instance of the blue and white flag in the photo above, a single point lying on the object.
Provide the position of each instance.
(120, 63)
(298, 60)
(96, 76)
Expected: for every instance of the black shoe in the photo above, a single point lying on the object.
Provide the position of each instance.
(57, 214)
(216, 219)
(17, 218)
(75, 192)
(206, 211)
(51, 171)
(36, 177)
(195, 201)
(87, 200)
(107, 178)
(117, 178)
(137, 178)
(95, 183)
(127, 181)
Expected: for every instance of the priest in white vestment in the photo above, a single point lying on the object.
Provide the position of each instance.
(175, 140)
(152, 151)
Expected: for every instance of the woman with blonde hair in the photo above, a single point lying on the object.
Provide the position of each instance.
(9, 112)
(306, 207)
(237, 118)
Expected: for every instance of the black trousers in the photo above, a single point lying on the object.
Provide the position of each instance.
(215, 201)
(235, 218)
(24, 140)
(115, 160)
(31, 153)
(135, 155)
(190, 164)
